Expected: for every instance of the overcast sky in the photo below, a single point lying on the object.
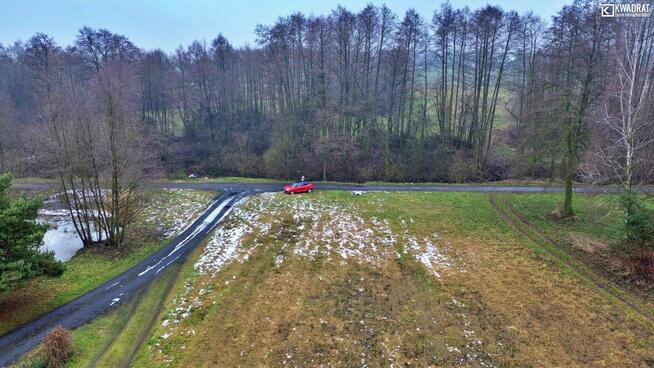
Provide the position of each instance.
(167, 24)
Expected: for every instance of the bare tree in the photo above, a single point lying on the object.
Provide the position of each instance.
(412, 101)
(94, 138)
(628, 113)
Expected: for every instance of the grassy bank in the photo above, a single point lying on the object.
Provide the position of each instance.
(598, 217)
(595, 236)
(113, 340)
(119, 338)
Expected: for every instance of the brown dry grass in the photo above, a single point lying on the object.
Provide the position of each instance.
(57, 347)
(588, 244)
(509, 306)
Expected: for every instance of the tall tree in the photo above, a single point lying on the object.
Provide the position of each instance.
(575, 45)
(20, 238)
(628, 111)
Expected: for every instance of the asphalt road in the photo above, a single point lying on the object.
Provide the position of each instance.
(116, 291)
(401, 187)
(483, 188)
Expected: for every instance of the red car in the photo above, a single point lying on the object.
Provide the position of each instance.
(299, 187)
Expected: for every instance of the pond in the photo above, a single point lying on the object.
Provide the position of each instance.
(61, 237)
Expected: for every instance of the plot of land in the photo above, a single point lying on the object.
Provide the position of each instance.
(385, 279)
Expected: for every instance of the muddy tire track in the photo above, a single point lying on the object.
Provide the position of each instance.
(145, 333)
(116, 331)
(564, 255)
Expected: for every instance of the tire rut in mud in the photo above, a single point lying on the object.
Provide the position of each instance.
(117, 330)
(564, 255)
(173, 274)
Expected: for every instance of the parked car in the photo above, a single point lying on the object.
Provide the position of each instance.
(299, 187)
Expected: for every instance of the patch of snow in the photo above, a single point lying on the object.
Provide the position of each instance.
(177, 214)
(278, 260)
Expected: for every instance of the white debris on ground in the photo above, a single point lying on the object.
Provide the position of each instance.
(170, 215)
(220, 249)
(428, 254)
(337, 230)
(473, 349)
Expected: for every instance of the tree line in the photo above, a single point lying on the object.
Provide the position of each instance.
(457, 95)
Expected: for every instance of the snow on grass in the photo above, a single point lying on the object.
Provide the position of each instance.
(429, 255)
(312, 227)
(305, 227)
(171, 213)
(473, 350)
(333, 230)
(221, 249)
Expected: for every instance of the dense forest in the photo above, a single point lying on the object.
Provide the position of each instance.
(457, 95)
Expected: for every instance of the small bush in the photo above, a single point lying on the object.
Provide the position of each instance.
(54, 269)
(637, 218)
(463, 168)
(57, 347)
(51, 267)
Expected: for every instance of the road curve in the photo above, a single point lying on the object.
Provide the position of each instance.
(116, 291)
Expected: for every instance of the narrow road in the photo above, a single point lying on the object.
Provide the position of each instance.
(483, 188)
(119, 289)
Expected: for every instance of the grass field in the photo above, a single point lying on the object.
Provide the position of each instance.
(598, 216)
(382, 279)
(91, 267)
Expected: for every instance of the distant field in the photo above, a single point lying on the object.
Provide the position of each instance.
(385, 279)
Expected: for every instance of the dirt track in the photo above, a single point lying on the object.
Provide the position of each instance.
(565, 256)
